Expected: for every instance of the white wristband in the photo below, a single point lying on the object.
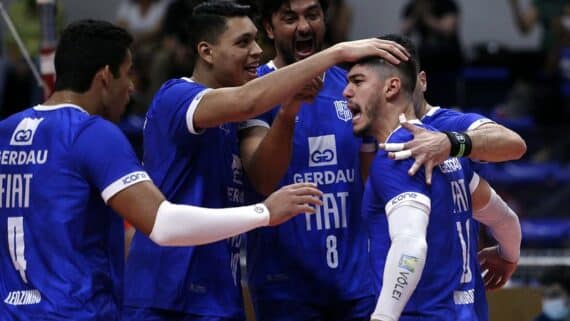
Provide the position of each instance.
(184, 225)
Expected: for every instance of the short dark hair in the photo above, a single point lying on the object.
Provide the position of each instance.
(84, 48)
(268, 7)
(408, 45)
(407, 70)
(208, 21)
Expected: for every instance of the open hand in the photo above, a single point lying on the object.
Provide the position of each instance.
(428, 148)
(391, 51)
(497, 271)
(290, 200)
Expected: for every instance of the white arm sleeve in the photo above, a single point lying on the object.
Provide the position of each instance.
(503, 224)
(406, 258)
(184, 225)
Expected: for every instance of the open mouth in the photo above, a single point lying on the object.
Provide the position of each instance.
(252, 69)
(355, 111)
(305, 46)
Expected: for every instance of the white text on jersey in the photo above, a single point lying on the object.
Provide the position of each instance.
(31, 157)
(15, 190)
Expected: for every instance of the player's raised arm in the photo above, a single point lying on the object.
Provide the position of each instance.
(489, 142)
(231, 104)
(166, 223)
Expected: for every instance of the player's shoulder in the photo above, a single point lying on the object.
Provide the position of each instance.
(401, 135)
(438, 111)
(183, 83)
(176, 93)
(337, 71)
(97, 128)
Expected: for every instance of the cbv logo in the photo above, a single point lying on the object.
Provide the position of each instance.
(25, 131)
(322, 151)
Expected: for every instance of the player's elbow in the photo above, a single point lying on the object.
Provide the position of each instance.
(521, 149)
(518, 146)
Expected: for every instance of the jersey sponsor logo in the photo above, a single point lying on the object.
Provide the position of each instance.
(15, 190)
(326, 177)
(322, 151)
(24, 133)
(460, 196)
(342, 111)
(30, 157)
(450, 165)
(237, 170)
(332, 214)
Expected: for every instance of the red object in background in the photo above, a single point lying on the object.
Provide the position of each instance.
(47, 70)
(48, 21)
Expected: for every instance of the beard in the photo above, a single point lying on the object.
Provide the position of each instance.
(287, 49)
(368, 115)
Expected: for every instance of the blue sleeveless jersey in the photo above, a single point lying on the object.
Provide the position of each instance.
(196, 168)
(447, 285)
(452, 120)
(319, 258)
(62, 256)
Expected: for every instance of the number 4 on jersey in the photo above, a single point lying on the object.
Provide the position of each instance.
(16, 245)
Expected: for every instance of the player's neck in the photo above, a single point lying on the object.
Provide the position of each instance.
(279, 62)
(84, 100)
(390, 121)
(203, 75)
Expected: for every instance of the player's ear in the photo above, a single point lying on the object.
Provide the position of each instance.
(422, 81)
(392, 87)
(268, 29)
(205, 51)
(103, 76)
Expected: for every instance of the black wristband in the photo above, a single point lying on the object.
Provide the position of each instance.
(460, 144)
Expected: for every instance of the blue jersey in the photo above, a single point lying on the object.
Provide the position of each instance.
(196, 168)
(453, 120)
(62, 257)
(446, 288)
(318, 258)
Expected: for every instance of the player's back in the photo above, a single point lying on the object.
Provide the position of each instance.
(447, 279)
(63, 255)
(446, 119)
(322, 257)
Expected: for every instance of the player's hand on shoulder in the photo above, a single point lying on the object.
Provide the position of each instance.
(291, 200)
(428, 148)
(497, 271)
(354, 50)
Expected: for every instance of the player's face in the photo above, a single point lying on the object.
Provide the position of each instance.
(298, 29)
(118, 91)
(363, 93)
(236, 55)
